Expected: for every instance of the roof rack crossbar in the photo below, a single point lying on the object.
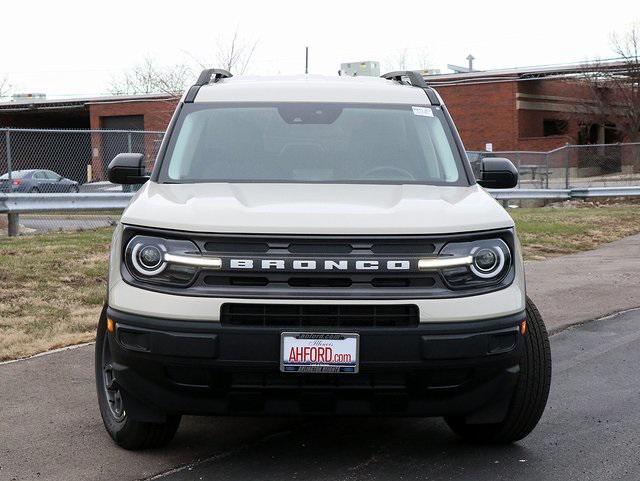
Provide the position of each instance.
(414, 78)
(207, 76)
(212, 74)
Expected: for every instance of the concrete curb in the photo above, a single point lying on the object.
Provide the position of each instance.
(557, 330)
(46, 353)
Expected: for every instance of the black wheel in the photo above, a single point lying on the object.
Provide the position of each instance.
(126, 432)
(74, 189)
(34, 190)
(530, 396)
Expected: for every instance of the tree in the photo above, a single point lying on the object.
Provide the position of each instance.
(398, 60)
(4, 87)
(408, 59)
(615, 86)
(149, 78)
(235, 54)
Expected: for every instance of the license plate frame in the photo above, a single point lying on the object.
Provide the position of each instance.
(349, 344)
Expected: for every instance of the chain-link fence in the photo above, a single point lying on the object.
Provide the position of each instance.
(63, 161)
(606, 165)
(53, 161)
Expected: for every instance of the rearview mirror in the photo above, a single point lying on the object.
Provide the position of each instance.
(497, 173)
(127, 169)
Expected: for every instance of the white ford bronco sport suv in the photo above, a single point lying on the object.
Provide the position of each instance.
(317, 246)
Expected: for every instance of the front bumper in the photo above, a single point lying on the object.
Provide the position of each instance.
(166, 366)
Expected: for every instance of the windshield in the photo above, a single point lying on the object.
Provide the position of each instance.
(300, 142)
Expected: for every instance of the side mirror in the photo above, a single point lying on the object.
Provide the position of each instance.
(127, 169)
(497, 173)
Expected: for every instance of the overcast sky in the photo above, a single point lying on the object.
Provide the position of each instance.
(65, 48)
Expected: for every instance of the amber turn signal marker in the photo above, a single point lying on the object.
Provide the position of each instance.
(523, 327)
(111, 326)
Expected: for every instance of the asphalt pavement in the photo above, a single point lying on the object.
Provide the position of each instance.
(50, 429)
(587, 285)
(590, 431)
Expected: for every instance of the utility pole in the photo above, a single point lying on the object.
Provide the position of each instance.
(306, 60)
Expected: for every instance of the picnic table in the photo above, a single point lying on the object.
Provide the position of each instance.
(536, 170)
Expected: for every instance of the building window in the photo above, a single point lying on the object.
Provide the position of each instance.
(554, 127)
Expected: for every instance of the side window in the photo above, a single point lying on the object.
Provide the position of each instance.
(52, 175)
(39, 176)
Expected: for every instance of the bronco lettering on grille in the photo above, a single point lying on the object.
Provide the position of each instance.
(322, 265)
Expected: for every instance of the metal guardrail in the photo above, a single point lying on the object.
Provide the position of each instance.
(520, 194)
(23, 203)
(565, 194)
(15, 204)
(585, 192)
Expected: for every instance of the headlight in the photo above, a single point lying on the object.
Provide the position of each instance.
(488, 262)
(148, 259)
(471, 264)
(166, 261)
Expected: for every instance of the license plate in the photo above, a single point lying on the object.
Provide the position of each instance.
(319, 352)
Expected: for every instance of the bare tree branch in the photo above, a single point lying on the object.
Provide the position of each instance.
(5, 87)
(422, 58)
(615, 89)
(148, 78)
(409, 59)
(235, 55)
(398, 60)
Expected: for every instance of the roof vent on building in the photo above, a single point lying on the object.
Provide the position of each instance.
(25, 97)
(368, 68)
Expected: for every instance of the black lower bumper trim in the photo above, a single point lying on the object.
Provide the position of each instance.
(199, 367)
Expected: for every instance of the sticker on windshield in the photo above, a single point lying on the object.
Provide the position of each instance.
(422, 111)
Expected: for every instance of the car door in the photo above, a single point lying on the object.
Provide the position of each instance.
(39, 181)
(55, 182)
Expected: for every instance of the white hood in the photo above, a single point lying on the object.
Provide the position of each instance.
(315, 208)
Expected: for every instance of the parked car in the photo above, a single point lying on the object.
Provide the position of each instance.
(317, 246)
(36, 180)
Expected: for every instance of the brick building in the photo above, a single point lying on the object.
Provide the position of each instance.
(536, 109)
(128, 112)
(69, 154)
(533, 109)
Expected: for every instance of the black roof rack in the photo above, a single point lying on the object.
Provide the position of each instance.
(215, 74)
(414, 78)
(207, 76)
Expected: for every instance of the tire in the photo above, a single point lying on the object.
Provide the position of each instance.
(34, 190)
(126, 432)
(74, 189)
(530, 396)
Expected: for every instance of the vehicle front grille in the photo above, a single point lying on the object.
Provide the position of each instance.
(353, 281)
(335, 274)
(325, 284)
(319, 315)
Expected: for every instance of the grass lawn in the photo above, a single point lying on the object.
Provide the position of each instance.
(52, 286)
(51, 290)
(548, 232)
